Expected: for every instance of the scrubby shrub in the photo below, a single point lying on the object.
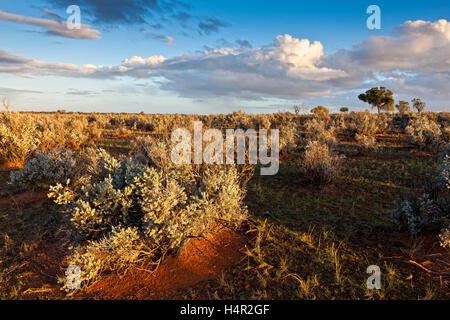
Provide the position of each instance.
(165, 209)
(148, 127)
(65, 132)
(46, 168)
(443, 179)
(446, 134)
(424, 133)
(431, 210)
(320, 130)
(445, 237)
(18, 138)
(290, 137)
(339, 123)
(153, 151)
(416, 214)
(367, 124)
(320, 110)
(366, 143)
(121, 132)
(116, 251)
(319, 164)
(58, 166)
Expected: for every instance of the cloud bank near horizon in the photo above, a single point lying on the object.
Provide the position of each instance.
(414, 59)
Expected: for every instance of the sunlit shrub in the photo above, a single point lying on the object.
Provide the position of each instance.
(366, 143)
(446, 134)
(424, 133)
(46, 168)
(166, 208)
(57, 166)
(18, 138)
(445, 237)
(319, 164)
(367, 124)
(320, 130)
(116, 251)
(290, 138)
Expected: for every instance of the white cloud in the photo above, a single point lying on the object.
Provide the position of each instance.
(415, 58)
(415, 46)
(53, 27)
(300, 58)
(288, 67)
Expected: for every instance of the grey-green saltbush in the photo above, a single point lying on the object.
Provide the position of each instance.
(424, 133)
(57, 166)
(159, 210)
(319, 164)
(431, 210)
(46, 168)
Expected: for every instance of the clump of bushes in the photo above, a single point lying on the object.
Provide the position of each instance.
(319, 164)
(424, 133)
(321, 110)
(290, 138)
(366, 124)
(46, 167)
(56, 166)
(129, 211)
(431, 210)
(321, 130)
(21, 134)
(416, 214)
(18, 137)
(367, 143)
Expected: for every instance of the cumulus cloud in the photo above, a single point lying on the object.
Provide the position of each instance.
(300, 58)
(414, 59)
(53, 27)
(287, 67)
(416, 46)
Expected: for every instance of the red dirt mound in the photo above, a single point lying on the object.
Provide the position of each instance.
(202, 259)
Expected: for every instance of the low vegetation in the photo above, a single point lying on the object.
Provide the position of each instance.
(353, 190)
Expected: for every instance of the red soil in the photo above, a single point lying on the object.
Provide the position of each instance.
(422, 251)
(202, 259)
(43, 271)
(286, 156)
(24, 198)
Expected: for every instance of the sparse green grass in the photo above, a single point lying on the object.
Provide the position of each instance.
(318, 243)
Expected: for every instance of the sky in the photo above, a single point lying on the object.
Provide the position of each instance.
(214, 56)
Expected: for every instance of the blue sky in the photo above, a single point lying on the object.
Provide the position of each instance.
(220, 56)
